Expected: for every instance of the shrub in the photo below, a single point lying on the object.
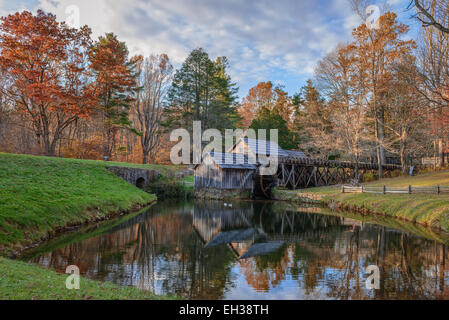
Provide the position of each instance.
(397, 173)
(169, 188)
(368, 177)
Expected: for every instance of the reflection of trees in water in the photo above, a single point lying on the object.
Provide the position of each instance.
(163, 251)
(328, 251)
(404, 263)
(299, 225)
(265, 272)
(157, 251)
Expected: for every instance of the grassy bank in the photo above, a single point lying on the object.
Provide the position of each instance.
(19, 280)
(425, 209)
(39, 195)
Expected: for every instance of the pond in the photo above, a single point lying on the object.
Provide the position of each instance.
(256, 250)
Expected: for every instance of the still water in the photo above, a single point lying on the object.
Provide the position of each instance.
(257, 250)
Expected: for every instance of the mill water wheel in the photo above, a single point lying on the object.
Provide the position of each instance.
(266, 184)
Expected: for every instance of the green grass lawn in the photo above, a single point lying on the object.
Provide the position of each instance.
(23, 281)
(423, 180)
(425, 209)
(38, 195)
(162, 168)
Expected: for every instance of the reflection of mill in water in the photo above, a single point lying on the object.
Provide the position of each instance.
(217, 225)
(252, 229)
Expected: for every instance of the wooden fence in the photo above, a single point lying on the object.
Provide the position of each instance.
(396, 190)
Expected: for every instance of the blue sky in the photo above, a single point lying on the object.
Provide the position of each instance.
(264, 40)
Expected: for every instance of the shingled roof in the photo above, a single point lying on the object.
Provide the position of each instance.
(295, 154)
(241, 161)
(270, 148)
(232, 161)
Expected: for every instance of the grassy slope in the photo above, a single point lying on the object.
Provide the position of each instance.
(430, 210)
(19, 280)
(162, 168)
(40, 194)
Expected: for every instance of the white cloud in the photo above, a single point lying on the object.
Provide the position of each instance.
(96, 14)
(394, 2)
(352, 22)
(260, 38)
(2, 6)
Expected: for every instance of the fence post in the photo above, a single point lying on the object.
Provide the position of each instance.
(385, 189)
(363, 188)
(342, 189)
(409, 189)
(438, 189)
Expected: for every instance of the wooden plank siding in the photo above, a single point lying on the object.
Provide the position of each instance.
(208, 175)
(212, 176)
(237, 179)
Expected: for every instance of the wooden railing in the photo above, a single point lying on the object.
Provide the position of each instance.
(336, 164)
(395, 190)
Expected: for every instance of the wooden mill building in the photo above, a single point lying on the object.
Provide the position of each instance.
(228, 171)
(235, 173)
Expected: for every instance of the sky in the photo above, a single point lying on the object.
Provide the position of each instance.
(279, 41)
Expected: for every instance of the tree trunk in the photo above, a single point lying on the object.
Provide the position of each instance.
(403, 149)
(152, 157)
(145, 158)
(50, 149)
(441, 151)
(378, 150)
(110, 143)
(382, 135)
(403, 158)
(49, 146)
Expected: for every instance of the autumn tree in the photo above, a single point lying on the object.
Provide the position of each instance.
(434, 85)
(3, 112)
(3, 104)
(155, 75)
(377, 50)
(44, 62)
(339, 81)
(258, 98)
(312, 122)
(370, 96)
(432, 14)
(115, 86)
(265, 95)
(408, 116)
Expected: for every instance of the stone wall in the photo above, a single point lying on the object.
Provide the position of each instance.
(184, 173)
(222, 194)
(138, 177)
(296, 196)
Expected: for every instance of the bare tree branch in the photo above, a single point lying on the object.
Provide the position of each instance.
(426, 18)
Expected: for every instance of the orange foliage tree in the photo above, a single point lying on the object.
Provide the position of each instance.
(265, 96)
(377, 50)
(45, 63)
(115, 86)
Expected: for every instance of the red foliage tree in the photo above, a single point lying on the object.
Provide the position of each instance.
(265, 96)
(45, 62)
(115, 86)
